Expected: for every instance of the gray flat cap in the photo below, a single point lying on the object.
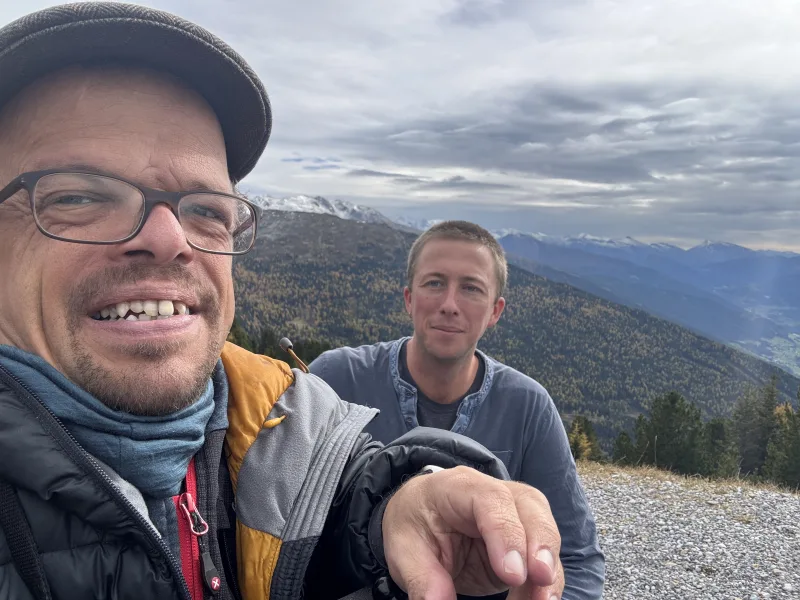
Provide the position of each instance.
(90, 31)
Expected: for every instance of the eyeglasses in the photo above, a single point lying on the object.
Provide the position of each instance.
(88, 208)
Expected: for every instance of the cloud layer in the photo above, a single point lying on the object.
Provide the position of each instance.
(662, 120)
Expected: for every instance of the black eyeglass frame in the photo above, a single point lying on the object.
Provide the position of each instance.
(152, 197)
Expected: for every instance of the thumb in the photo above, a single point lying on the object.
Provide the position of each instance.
(419, 573)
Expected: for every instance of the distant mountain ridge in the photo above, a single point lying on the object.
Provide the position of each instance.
(744, 297)
(322, 206)
(707, 251)
(732, 294)
(313, 276)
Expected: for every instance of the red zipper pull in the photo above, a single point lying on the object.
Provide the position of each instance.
(197, 524)
(199, 528)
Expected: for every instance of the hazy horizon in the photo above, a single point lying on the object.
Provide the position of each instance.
(660, 120)
(408, 213)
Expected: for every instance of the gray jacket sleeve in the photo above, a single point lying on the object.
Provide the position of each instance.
(548, 466)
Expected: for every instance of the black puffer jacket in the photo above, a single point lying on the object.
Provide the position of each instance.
(86, 540)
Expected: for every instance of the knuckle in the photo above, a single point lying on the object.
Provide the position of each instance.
(548, 536)
(528, 493)
(498, 508)
(462, 472)
(463, 478)
(551, 538)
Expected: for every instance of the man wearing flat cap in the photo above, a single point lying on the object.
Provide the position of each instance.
(143, 456)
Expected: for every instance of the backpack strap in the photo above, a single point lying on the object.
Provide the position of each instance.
(19, 538)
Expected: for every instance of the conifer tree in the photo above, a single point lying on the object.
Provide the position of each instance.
(720, 456)
(624, 450)
(755, 422)
(238, 336)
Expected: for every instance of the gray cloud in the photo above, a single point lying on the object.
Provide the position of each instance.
(712, 160)
(373, 173)
(614, 117)
(321, 167)
(457, 182)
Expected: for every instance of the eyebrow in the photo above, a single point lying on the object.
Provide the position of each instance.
(467, 278)
(194, 184)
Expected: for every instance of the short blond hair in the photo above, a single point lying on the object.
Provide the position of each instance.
(466, 232)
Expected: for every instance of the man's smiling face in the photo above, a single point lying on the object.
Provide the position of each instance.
(150, 130)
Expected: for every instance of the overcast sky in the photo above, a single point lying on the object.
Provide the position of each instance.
(674, 120)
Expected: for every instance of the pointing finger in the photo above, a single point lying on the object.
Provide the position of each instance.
(546, 575)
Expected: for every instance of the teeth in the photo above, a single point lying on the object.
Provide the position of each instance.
(165, 308)
(150, 307)
(122, 308)
(142, 310)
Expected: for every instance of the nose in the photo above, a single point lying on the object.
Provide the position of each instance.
(449, 305)
(161, 239)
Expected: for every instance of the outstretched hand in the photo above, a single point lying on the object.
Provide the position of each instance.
(459, 531)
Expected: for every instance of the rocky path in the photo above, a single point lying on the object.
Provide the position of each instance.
(671, 537)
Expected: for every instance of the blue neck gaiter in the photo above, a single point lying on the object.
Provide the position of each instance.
(152, 453)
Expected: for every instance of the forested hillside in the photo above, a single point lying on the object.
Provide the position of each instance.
(320, 277)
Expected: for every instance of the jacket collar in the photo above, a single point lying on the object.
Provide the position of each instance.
(407, 393)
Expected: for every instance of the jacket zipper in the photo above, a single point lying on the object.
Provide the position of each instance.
(232, 569)
(198, 568)
(83, 458)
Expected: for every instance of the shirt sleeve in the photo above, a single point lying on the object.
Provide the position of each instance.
(327, 366)
(317, 366)
(336, 368)
(549, 467)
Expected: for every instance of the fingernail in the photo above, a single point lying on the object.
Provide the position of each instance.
(513, 564)
(553, 597)
(545, 556)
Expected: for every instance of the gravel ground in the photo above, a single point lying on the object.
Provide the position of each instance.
(671, 537)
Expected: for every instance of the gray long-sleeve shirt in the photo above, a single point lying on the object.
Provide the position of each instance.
(512, 415)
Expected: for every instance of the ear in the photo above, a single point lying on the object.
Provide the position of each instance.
(407, 298)
(497, 311)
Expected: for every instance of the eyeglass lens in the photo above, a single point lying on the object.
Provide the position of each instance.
(93, 208)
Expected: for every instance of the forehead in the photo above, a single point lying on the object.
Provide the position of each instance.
(127, 122)
(456, 258)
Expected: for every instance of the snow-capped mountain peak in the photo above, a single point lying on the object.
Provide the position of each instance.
(540, 237)
(322, 206)
(599, 241)
(417, 224)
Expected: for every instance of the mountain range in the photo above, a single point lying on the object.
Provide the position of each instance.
(746, 298)
(313, 276)
(322, 206)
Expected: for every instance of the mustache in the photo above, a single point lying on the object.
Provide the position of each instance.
(131, 274)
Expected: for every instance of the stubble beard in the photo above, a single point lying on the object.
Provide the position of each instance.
(151, 394)
(126, 388)
(447, 360)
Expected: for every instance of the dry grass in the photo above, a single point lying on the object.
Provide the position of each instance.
(588, 469)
